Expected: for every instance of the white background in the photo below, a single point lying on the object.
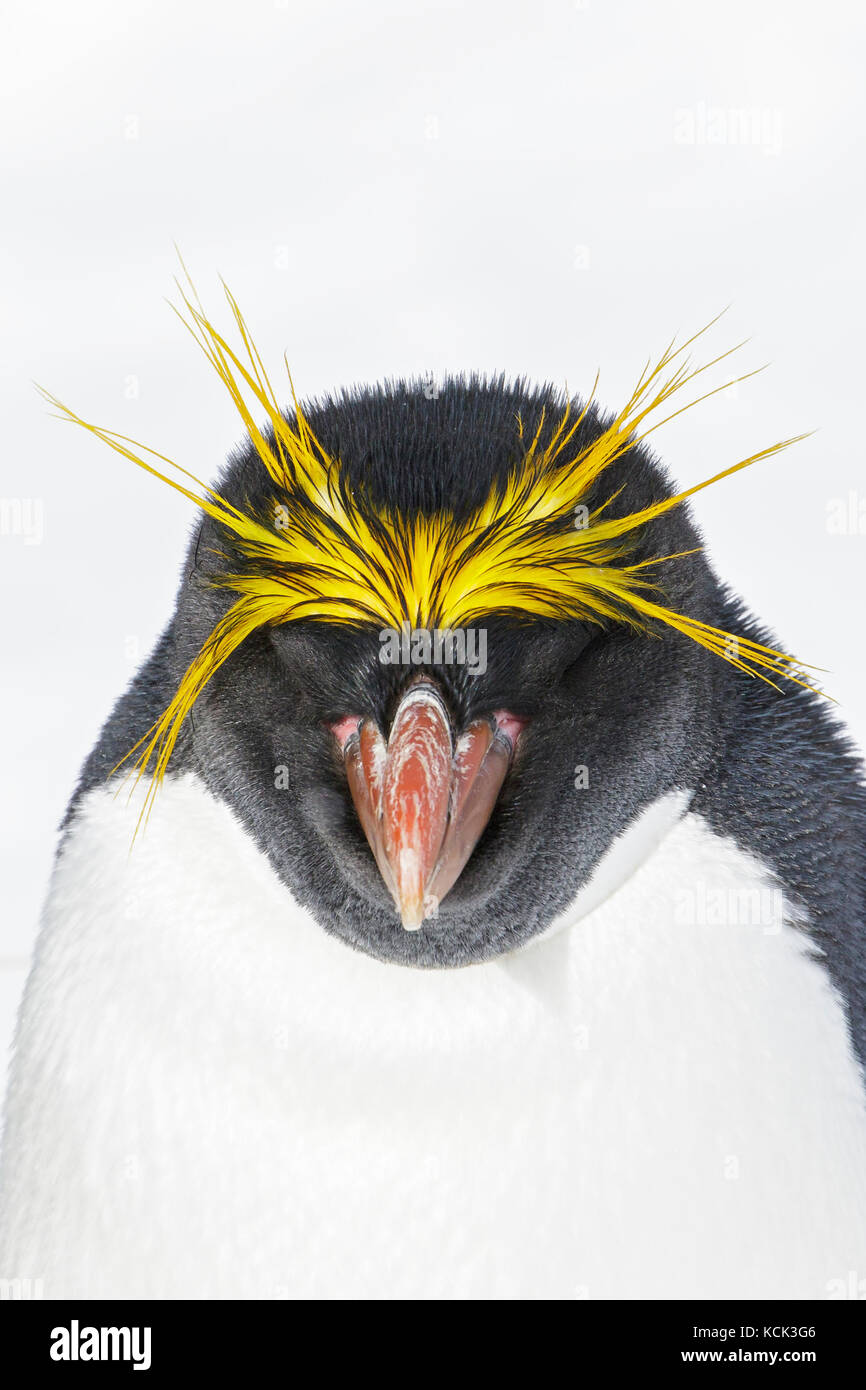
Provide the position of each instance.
(543, 188)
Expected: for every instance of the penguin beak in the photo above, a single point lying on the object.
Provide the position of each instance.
(422, 800)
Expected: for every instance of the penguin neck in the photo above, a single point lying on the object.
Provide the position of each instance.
(631, 849)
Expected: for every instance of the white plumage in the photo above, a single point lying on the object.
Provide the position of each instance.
(213, 1097)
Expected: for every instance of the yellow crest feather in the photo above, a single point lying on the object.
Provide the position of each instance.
(328, 557)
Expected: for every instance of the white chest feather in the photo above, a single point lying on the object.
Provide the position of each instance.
(213, 1097)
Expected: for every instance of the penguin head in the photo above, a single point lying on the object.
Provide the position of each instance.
(437, 648)
(461, 783)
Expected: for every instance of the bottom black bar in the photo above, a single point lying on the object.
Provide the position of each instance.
(164, 1338)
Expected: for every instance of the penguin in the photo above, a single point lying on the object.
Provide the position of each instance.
(465, 900)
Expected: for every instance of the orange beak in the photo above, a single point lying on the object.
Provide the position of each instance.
(422, 802)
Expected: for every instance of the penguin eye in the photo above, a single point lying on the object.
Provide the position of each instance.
(575, 656)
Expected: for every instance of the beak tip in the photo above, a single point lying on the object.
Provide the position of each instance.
(410, 889)
(414, 912)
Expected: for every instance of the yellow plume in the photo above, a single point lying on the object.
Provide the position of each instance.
(326, 555)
